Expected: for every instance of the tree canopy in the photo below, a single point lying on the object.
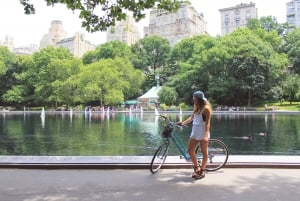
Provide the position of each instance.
(98, 15)
(244, 68)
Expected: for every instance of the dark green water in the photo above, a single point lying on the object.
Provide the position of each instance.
(127, 134)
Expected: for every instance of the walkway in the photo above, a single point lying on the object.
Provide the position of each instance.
(229, 184)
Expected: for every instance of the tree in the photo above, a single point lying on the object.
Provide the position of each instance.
(101, 14)
(291, 88)
(108, 81)
(150, 55)
(168, 96)
(184, 50)
(7, 69)
(292, 49)
(234, 70)
(50, 66)
(21, 90)
(189, 66)
(108, 50)
(250, 73)
(268, 23)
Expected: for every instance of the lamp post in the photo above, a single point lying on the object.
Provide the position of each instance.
(268, 26)
(157, 80)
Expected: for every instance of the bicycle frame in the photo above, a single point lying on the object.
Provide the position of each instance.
(180, 146)
(217, 151)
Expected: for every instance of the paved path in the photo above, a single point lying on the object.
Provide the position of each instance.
(229, 184)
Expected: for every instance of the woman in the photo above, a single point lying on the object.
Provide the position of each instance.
(200, 132)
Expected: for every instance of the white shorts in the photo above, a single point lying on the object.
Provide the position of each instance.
(198, 132)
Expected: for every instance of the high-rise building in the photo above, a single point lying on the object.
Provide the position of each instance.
(293, 14)
(9, 42)
(125, 31)
(77, 45)
(23, 50)
(174, 26)
(57, 37)
(237, 16)
(26, 50)
(55, 34)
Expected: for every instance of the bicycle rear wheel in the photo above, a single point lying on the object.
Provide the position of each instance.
(159, 157)
(217, 155)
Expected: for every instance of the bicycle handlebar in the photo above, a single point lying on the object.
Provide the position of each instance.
(171, 122)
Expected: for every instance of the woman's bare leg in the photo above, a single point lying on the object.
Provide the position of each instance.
(191, 150)
(204, 151)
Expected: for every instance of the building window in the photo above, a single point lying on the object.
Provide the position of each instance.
(237, 21)
(227, 19)
(185, 26)
(227, 30)
(248, 14)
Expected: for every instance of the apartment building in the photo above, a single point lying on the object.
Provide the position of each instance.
(236, 17)
(77, 44)
(55, 34)
(293, 14)
(57, 37)
(9, 43)
(125, 31)
(26, 50)
(174, 26)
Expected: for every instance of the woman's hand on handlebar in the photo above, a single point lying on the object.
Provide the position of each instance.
(179, 124)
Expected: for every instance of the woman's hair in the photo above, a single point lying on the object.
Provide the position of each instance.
(199, 105)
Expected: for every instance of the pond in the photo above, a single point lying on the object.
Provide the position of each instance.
(133, 134)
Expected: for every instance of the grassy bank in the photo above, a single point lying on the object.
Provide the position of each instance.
(295, 106)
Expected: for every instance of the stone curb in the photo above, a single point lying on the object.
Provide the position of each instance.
(141, 162)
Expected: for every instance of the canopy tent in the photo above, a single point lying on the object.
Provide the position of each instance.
(150, 98)
(130, 102)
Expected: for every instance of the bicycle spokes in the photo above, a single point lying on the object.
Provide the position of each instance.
(159, 157)
(217, 155)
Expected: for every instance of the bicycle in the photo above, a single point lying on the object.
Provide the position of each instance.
(217, 150)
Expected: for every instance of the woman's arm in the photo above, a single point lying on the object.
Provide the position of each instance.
(207, 113)
(188, 120)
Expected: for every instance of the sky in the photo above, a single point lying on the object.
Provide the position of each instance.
(29, 29)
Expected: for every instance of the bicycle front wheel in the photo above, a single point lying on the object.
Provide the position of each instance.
(217, 155)
(159, 157)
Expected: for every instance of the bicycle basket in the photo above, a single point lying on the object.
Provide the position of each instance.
(167, 131)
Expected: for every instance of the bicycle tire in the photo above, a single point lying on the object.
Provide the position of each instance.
(159, 157)
(217, 155)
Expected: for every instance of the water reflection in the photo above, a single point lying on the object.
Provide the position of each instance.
(137, 133)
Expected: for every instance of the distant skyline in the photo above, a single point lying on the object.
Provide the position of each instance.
(29, 29)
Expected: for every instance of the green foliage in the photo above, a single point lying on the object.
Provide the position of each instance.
(151, 56)
(242, 64)
(14, 95)
(108, 50)
(52, 66)
(7, 69)
(291, 88)
(100, 14)
(168, 96)
(108, 81)
(246, 67)
(292, 49)
(151, 53)
(268, 24)
(183, 106)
